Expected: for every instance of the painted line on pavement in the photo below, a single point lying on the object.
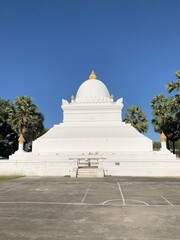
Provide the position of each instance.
(161, 195)
(122, 196)
(133, 200)
(138, 201)
(87, 204)
(12, 189)
(111, 200)
(3, 188)
(87, 190)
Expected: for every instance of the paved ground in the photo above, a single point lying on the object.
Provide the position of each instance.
(85, 209)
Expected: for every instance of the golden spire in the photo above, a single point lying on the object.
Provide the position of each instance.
(72, 98)
(163, 137)
(92, 75)
(21, 139)
(111, 97)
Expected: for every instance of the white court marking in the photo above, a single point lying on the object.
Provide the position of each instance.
(111, 200)
(161, 195)
(84, 204)
(133, 200)
(127, 219)
(41, 189)
(123, 200)
(9, 190)
(138, 201)
(3, 188)
(87, 190)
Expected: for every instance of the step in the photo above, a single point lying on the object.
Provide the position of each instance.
(88, 172)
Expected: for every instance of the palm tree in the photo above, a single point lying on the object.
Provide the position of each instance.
(174, 86)
(175, 109)
(165, 118)
(175, 100)
(137, 118)
(8, 138)
(25, 118)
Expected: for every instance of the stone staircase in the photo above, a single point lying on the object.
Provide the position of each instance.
(88, 172)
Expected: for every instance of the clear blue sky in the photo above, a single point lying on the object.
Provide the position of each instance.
(49, 47)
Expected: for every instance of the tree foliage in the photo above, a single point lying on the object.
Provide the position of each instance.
(137, 118)
(166, 112)
(25, 118)
(161, 112)
(8, 138)
(156, 145)
(174, 86)
(20, 117)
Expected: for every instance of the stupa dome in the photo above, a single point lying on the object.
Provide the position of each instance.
(92, 89)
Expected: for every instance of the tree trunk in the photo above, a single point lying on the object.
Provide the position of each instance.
(174, 147)
(167, 143)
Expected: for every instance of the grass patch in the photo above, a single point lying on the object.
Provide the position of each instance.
(9, 177)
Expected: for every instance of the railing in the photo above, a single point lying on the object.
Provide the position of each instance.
(87, 162)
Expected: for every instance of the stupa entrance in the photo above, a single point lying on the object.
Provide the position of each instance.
(87, 166)
(90, 162)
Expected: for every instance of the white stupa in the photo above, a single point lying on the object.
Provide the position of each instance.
(93, 141)
(92, 122)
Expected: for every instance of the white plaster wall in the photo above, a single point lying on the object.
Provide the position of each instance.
(92, 145)
(169, 169)
(38, 168)
(68, 166)
(96, 112)
(92, 137)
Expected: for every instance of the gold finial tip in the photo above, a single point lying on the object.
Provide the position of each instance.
(21, 139)
(163, 137)
(92, 75)
(72, 97)
(112, 96)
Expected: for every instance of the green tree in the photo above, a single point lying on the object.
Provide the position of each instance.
(175, 100)
(161, 112)
(25, 118)
(156, 145)
(137, 118)
(174, 86)
(166, 112)
(175, 108)
(8, 138)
